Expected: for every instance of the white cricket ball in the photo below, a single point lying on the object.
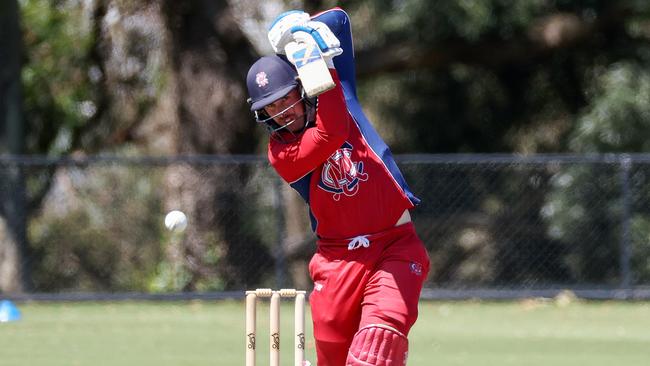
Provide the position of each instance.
(176, 221)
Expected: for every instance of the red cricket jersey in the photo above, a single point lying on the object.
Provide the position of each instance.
(350, 188)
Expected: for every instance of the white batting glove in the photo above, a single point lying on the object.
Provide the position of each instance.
(280, 30)
(320, 34)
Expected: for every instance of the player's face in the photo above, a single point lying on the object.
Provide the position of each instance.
(288, 110)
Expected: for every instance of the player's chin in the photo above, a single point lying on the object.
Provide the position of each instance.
(297, 126)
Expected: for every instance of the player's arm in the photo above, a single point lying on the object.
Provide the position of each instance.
(293, 161)
(338, 22)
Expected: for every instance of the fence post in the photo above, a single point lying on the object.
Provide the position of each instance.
(625, 251)
(280, 260)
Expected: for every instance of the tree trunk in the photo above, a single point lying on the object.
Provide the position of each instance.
(210, 58)
(13, 241)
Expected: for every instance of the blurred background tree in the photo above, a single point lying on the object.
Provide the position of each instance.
(158, 77)
(14, 276)
(489, 76)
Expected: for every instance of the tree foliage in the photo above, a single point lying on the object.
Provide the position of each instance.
(60, 90)
(489, 76)
(618, 119)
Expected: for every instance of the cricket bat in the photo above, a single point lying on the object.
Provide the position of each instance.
(312, 69)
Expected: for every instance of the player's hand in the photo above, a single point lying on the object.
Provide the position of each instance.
(280, 30)
(321, 34)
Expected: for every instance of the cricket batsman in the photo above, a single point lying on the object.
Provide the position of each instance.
(370, 265)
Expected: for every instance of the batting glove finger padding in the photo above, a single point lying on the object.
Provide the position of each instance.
(319, 33)
(306, 41)
(378, 345)
(280, 30)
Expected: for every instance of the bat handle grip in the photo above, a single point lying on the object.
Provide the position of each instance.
(312, 69)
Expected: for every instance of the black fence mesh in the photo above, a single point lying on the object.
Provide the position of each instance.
(489, 222)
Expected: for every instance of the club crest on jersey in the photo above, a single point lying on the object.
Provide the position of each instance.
(341, 175)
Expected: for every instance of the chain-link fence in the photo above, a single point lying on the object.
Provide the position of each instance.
(490, 223)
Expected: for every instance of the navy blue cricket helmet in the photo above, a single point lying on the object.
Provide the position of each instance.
(269, 79)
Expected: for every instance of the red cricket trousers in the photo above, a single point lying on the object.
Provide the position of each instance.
(375, 279)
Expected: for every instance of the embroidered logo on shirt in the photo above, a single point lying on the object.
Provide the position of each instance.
(341, 175)
(416, 268)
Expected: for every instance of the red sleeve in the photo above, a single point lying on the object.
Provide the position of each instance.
(294, 160)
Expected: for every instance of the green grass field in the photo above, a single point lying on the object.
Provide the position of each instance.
(211, 333)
